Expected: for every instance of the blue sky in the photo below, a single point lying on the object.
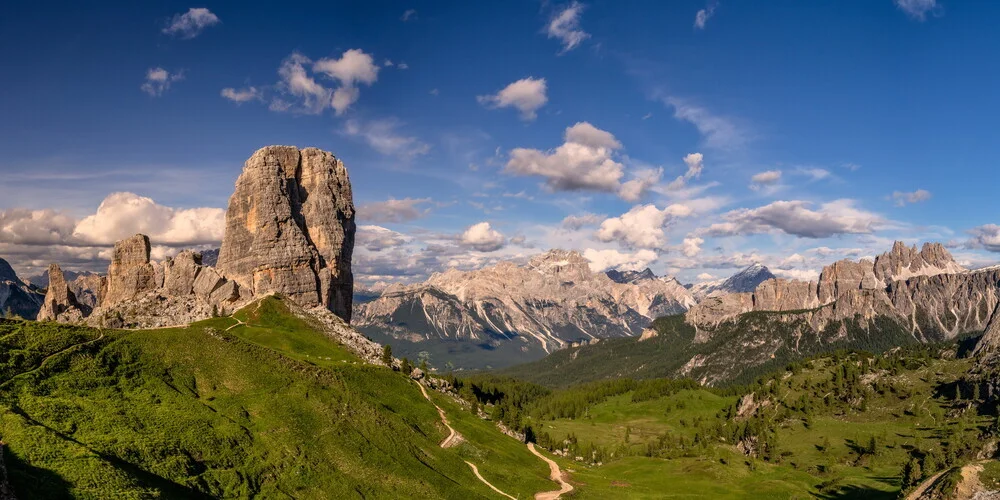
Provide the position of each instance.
(694, 137)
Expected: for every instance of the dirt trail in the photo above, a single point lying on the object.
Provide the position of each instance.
(454, 438)
(50, 356)
(554, 474)
(924, 486)
(968, 487)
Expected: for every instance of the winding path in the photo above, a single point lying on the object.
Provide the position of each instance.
(454, 438)
(50, 356)
(554, 474)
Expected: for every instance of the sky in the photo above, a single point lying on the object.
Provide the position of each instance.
(691, 137)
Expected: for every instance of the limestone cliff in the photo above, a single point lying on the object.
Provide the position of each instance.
(130, 273)
(60, 302)
(290, 228)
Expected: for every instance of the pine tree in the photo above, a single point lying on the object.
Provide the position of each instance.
(911, 473)
(406, 367)
(387, 355)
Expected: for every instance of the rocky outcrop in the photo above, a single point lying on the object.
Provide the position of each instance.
(130, 273)
(552, 301)
(60, 302)
(180, 273)
(88, 288)
(926, 292)
(290, 228)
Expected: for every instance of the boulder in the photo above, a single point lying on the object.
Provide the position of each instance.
(180, 273)
(290, 228)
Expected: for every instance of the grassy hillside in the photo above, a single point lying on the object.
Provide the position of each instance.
(737, 351)
(269, 409)
(847, 425)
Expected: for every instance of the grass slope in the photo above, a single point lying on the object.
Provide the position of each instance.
(272, 409)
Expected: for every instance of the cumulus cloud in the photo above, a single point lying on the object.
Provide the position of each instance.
(705, 277)
(191, 23)
(565, 26)
(526, 94)
(312, 97)
(158, 81)
(35, 227)
(383, 137)
(987, 237)
(240, 96)
(798, 219)
(483, 237)
(602, 260)
(718, 132)
(691, 246)
(393, 210)
(121, 215)
(642, 226)
(764, 179)
(918, 9)
(705, 14)
(797, 274)
(352, 68)
(636, 189)
(583, 162)
(900, 198)
(378, 238)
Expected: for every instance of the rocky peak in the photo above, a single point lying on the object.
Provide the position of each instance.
(747, 279)
(904, 262)
(130, 273)
(60, 302)
(630, 276)
(568, 265)
(290, 228)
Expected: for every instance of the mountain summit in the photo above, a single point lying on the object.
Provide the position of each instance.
(508, 312)
(745, 280)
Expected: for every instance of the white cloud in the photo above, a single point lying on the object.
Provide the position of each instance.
(583, 162)
(987, 237)
(797, 274)
(393, 210)
(642, 226)
(158, 81)
(815, 174)
(900, 198)
(124, 214)
(705, 14)
(295, 80)
(705, 277)
(242, 95)
(695, 165)
(301, 92)
(526, 94)
(575, 222)
(636, 189)
(602, 260)
(918, 9)
(354, 66)
(796, 218)
(403, 66)
(191, 23)
(764, 179)
(483, 237)
(378, 238)
(35, 227)
(565, 26)
(409, 15)
(381, 135)
(718, 132)
(691, 246)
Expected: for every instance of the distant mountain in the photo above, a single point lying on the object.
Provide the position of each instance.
(210, 257)
(630, 276)
(507, 313)
(904, 296)
(42, 280)
(741, 282)
(16, 296)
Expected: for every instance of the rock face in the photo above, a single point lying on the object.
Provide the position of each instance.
(16, 296)
(290, 228)
(925, 292)
(554, 300)
(60, 302)
(88, 288)
(130, 273)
